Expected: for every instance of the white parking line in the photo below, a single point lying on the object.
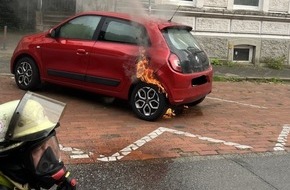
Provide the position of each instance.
(7, 74)
(75, 153)
(154, 134)
(243, 104)
(282, 139)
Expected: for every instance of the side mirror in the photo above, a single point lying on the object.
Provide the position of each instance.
(52, 33)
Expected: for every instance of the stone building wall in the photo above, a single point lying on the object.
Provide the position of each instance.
(246, 26)
(216, 3)
(215, 47)
(274, 47)
(278, 28)
(212, 24)
(279, 5)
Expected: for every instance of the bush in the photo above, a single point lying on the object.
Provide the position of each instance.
(219, 62)
(275, 63)
(216, 62)
(229, 63)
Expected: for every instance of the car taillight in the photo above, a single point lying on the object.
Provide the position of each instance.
(175, 63)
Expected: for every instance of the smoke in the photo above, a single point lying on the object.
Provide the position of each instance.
(164, 9)
(134, 8)
(143, 9)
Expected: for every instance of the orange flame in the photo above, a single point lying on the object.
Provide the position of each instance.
(169, 113)
(146, 74)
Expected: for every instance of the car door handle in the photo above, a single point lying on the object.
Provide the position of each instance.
(82, 52)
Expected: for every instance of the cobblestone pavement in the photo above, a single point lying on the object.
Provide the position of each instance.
(236, 118)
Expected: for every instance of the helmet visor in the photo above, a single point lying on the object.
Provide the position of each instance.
(35, 117)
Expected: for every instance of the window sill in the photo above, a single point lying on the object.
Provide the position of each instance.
(243, 7)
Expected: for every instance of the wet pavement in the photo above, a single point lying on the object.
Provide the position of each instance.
(236, 118)
(251, 172)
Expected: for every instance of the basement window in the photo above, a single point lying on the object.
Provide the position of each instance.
(243, 54)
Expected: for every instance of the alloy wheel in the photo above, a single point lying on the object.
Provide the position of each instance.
(147, 101)
(24, 73)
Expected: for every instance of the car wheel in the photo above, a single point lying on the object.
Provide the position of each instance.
(27, 74)
(195, 102)
(147, 102)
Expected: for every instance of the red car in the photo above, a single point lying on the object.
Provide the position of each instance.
(154, 64)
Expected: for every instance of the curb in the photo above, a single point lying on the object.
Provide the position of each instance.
(286, 79)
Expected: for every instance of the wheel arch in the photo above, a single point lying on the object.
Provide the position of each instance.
(133, 85)
(20, 56)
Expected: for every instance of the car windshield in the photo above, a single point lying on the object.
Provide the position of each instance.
(181, 39)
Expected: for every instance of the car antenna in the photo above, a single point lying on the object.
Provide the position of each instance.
(174, 14)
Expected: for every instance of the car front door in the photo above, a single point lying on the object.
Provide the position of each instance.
(66, 56)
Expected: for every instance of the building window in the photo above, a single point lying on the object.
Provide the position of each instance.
(247, 4)
(188, 2)
(181, 2)
(243, 54)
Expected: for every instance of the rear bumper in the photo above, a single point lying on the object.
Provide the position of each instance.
(187, 88)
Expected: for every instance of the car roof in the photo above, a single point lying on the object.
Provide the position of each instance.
(146, 20)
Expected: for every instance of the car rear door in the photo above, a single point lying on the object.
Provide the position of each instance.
(66, 57)
(113, 58)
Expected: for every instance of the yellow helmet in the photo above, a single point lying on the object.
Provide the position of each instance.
(6, 112)
(31, 118)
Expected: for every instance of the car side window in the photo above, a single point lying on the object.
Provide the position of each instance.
(121, 31)
(80, 28)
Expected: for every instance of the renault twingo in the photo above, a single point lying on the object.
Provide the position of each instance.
(154, 64)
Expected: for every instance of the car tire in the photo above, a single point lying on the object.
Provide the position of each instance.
(195, 102)
(27, 74)
(147, 102)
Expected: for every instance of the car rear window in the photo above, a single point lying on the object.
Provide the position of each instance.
(181, 39)
(183, 44)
